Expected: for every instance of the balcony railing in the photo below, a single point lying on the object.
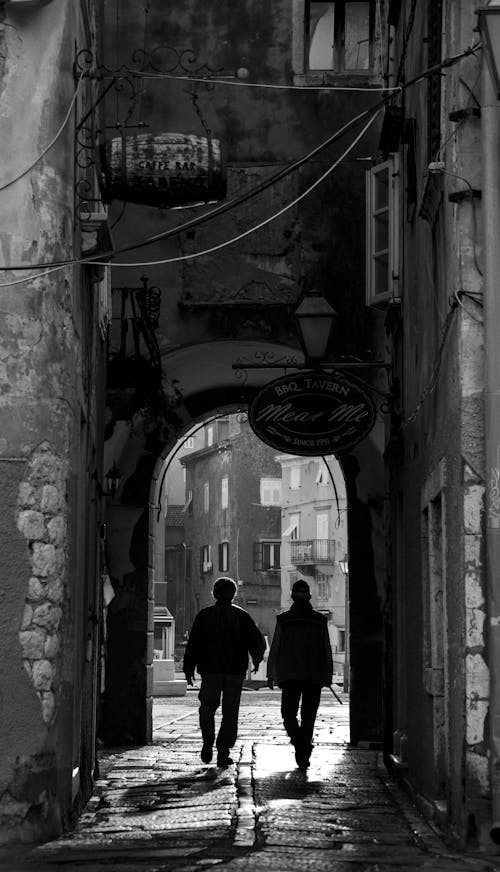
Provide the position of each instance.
(311, 551)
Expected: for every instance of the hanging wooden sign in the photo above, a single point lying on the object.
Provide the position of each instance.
(168, 169)
(312, 413)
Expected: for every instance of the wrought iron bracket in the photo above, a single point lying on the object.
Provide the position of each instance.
(284, 363)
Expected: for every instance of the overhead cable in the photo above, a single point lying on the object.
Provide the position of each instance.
(54, 266)
(226, 206)
(50, 144)
(208, 80)
(259, 226)
(221, 245)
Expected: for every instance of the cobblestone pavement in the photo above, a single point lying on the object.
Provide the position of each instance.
(158, 808)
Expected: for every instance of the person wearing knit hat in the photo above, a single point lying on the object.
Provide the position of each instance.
(300, 662)
(222, 637)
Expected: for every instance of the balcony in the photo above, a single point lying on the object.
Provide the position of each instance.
(312, 551)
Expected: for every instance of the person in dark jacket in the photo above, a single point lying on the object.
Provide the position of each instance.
(300, 662)
(221, 638)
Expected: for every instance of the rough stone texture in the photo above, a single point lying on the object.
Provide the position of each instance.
(40, 625)
(31, 524)
(37, 589)
(57, 529)
(42, 675)
(44, 559)
(33, 644)
(52, 499)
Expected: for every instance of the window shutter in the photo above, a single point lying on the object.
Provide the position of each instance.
(382, 232)
(257, 556)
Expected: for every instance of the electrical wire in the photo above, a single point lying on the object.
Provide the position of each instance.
(409, 28)
(457, 296)
(226, 206)
(259, 226)
(432, 382)
(226, 242)
(54, 266)
(206, 80)
(51, 143)
(325, 461)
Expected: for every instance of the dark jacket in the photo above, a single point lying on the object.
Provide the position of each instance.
(301, 650)
(221, 638)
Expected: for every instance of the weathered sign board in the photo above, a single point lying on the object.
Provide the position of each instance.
(312, 413)
(167, 169)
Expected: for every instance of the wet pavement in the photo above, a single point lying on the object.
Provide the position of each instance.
(159, 808)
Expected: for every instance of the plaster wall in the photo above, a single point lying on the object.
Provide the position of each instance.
(440, 350)
(48, 355)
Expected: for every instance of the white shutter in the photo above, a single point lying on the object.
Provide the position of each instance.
(382, 232)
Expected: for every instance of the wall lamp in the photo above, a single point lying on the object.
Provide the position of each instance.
(344, 565)
(113, 478)
(314, 318)
(489, 26)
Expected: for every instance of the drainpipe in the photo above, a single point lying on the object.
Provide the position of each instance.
(490, 123)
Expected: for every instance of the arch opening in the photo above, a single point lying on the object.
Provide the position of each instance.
(137, 560)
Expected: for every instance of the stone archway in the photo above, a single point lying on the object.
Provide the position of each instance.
(199, 382)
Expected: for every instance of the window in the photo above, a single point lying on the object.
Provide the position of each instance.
(322, 525)
(322, 476)
(266, 556)
(210, 436)
(338, 35)
(224, 492)
(322, 585)
(382, 232)
(188, 505)
(270, 491)
(294, 477)
(206, 559)
(206, 497)
(341, 640)
(189, 442)
(224, 557)
(331, 39)
(293, 527)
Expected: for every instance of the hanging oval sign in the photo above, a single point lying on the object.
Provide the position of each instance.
(312, 413)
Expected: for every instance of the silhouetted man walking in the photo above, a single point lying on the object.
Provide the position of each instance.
(300, 662)
(221, 638)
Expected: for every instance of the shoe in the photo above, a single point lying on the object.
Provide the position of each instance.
(223, 759)
(206, 753)
(302, 755)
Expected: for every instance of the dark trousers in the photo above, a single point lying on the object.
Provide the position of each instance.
(213, 687)
(308, 696)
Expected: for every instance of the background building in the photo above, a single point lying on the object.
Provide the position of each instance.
(233, 520)
(314, 542)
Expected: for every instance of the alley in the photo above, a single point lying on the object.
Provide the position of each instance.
(159, 808)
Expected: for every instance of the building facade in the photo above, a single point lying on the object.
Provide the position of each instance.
(428, 279)
(233, 520)
(314, 543)
(53, 356)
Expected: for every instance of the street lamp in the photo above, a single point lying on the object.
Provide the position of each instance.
(489, 26)
(344, 565)
(113, 479)
(314, 319)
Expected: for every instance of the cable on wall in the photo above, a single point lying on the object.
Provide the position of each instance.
(52, 142)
